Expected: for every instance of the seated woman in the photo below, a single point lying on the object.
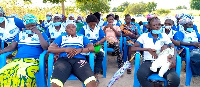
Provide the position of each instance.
(56, 29)
(47, 22)
(190, 39)
(149, 42)
(129, 31)
(71, 60)
(30, 44)
(112, 32)
(9, 27)
(96, 35)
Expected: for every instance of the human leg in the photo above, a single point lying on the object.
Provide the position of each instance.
(143, 73)
(172, 77)
(61, 72)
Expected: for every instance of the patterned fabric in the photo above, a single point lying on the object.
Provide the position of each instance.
(184, 21)
(41, 29)
(116, 47)
(1, 10)
(110, 34)
(58, 15)
(128, 30)
(183, 15)
(28, 18)
(19, 73)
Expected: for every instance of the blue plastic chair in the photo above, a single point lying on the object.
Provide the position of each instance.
(153, 76)
(106, 49)
(72, 77)
(2, 44)
(40, 76)
(188, 68)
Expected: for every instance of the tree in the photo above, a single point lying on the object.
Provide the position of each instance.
(163, 11)
(181, 7)
(151, 6)
(122, 7)
(93, 6)
(135, 8)
(114, 9)
(195, 4)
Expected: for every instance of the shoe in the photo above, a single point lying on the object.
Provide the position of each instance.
(128, 71)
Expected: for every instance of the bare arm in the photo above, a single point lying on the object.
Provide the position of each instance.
(136, 47)
(43, 42)
(53, 48)
(176, 43)
(9, 48)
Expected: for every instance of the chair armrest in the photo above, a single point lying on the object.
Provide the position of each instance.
(91, 60)
(3, 58)
(42, 60)
(178, 65)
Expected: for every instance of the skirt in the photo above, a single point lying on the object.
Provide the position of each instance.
(19, 73)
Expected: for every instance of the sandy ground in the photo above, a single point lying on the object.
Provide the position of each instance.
(127, 79)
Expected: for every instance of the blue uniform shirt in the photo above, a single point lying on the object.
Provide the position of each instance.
(29, 47)
(65, 41)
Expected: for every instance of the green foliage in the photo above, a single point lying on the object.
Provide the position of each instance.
(195, 4)
(93, 6)
(151, 6)
(136, 8)
(122, 7)
(181, 7)
(163, 11)
(114, 9)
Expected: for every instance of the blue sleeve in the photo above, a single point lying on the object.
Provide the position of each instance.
(118, 24)
(195, 28)
(82, 31)
(19, 23)
(174, 27)
(45, 37)
(105, 23)
(43, 24)
(17, 38)
(58, 41)
(179, 36)
(101, 34)
(47, 33)
(86, 41)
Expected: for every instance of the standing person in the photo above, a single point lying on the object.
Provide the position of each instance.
(57, 28)
(30, 44)
(150, 42)
(112, 32)
(71, 61)
(96, 35)
(47, 22)
(9, 27)
(129, 31)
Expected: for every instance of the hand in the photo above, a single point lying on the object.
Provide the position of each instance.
(74, 52)
(169, 58)
(153, 53)
(97, 43)
(111, 27)
(35, 30)
(196, 44)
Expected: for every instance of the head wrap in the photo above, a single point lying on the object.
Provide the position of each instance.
(58, 15)
(80, 17)
(183, 15)
(14, 15)
(184, 21)
(49, 13)
(149, 16)
(1, 10)
(29, 18)
(71, 15)
(70, 22)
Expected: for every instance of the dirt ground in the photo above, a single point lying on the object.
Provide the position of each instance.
(127, 79)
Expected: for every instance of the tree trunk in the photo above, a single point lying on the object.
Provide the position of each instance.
(63, 8)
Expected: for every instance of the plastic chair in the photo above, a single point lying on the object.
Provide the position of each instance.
(2, 44)
(72, 77)
(188, 68)
(106, 49)
(40, 76)
(153, 76)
